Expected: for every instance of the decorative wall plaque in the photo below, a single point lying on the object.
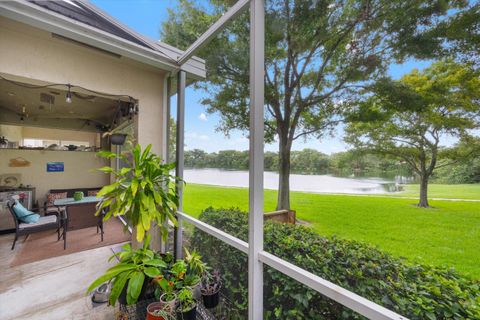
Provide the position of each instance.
(19, 162)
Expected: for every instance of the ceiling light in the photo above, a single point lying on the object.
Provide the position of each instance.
(69, 94)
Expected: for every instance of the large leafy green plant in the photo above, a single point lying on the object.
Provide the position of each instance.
(144, 191)
(413, 290)
(134, 268)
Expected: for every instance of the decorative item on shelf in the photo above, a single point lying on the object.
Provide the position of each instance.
(53, 146)
(19, 162)
(3, 142)
(78, 195)
(72, 147)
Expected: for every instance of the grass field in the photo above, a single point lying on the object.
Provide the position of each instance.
(450, 191)
(446, 235)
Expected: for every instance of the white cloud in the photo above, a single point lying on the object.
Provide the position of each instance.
(193, 136)
(202, 117)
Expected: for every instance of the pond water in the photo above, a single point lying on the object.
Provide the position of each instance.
(298, 182)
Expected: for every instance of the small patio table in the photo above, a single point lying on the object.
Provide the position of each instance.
(81, 213)
(69, 201)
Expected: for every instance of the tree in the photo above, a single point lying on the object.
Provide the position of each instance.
(410, 118)
(316, 53)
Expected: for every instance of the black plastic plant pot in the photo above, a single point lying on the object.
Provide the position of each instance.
(189, 315)
(211, 300)
(118, 139)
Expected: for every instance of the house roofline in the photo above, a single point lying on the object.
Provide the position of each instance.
(169, 50)
(164, 57)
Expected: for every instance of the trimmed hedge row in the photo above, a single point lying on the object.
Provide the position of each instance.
(414, 291)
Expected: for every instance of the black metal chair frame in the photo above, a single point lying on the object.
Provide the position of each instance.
(100, 223)
(59, 224)
(65, 222)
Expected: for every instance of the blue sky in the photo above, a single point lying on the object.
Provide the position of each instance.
(145, 17)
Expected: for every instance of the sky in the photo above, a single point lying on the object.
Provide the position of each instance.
(146, 17)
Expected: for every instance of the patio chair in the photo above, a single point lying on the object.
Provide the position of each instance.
(50, 222)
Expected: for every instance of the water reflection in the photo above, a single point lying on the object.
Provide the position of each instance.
(298, 182)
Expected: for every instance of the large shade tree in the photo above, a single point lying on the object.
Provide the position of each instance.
(413, 117)
(317, 52)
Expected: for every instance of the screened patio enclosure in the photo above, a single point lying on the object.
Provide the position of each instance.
(257, 257)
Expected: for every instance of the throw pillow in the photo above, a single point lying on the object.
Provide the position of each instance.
(92, 193)
(23, 214)
(51, 197)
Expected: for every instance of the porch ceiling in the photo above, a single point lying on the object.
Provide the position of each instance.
(47, 107)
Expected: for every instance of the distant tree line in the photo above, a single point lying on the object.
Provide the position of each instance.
(306, 161)
(346, 163)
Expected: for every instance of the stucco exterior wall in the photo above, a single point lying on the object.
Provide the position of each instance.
(30, 53)
(78, 169)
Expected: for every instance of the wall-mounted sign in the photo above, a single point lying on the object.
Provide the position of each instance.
(55, 167)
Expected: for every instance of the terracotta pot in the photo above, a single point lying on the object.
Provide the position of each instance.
(151, 308)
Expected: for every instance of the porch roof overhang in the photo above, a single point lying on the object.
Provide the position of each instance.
(159, 55)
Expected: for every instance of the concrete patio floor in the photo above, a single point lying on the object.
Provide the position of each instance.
(51, 289)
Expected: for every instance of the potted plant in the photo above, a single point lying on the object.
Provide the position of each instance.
(193, 283)
(166, 291)
(187, 307)
(117, 139)
(158, 311)
(170, 282)
(144, 191)
(195, 271)
(132, 274)
(210, 289)
(78, 195)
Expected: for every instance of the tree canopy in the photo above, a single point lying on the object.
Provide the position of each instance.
(410, 118)
(316, 54)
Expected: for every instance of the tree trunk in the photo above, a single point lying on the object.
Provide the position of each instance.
(283, 201)
(423, 203)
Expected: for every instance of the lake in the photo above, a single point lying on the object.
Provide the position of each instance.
(298, 182)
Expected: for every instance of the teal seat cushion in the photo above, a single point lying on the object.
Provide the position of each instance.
(23, 214)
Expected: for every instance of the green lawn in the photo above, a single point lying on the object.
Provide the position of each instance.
(448, 234)
(451, 191)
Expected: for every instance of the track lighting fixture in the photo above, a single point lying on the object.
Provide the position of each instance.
(69, 94)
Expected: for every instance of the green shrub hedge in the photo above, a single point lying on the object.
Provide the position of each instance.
(414, 291)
